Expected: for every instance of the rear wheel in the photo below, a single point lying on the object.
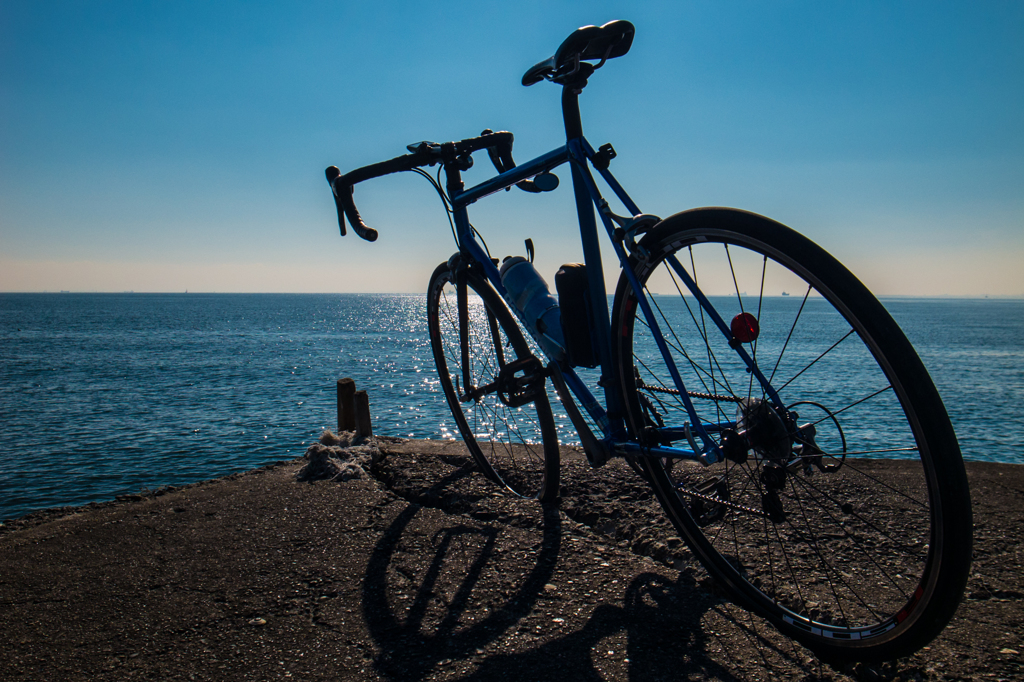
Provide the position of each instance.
(842, 512)
(497, 396)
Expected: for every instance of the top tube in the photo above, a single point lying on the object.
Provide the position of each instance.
(552, 159)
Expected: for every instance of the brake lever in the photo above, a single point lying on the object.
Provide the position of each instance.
(346, 206)
(333, 173)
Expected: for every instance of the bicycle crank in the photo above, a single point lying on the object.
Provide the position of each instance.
(515, 389)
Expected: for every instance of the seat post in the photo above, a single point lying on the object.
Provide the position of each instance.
(571, 110)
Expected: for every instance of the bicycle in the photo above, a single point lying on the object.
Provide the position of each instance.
(796, 441)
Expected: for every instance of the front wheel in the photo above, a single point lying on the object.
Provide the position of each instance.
(842, 511)
(493, 383)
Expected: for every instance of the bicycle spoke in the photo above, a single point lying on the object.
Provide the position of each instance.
(856, 541)
(678, 347)
(789, 336)
(878, 481)
(813, 362)
(753, 354)
(712, 358)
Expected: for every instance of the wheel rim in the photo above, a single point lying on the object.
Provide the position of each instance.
(843, 553)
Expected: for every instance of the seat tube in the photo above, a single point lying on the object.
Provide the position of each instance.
(592, 257)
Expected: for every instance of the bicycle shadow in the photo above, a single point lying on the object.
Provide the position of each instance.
(666, 639)
(433, 627)
(671, 629)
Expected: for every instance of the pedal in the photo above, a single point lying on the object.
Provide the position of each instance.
(516, 391)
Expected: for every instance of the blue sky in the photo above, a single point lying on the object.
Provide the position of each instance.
(169, 146)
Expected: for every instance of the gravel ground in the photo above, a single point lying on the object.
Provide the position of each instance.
(419, 569)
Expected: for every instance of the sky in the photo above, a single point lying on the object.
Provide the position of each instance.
(154, 146)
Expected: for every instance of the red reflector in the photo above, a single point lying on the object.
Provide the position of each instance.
(744, 327)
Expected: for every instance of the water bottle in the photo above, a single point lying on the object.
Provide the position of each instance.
(530, 295)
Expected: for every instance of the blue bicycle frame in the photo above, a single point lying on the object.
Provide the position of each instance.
(578, 152)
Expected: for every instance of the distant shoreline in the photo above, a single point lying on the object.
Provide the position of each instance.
(881, 297)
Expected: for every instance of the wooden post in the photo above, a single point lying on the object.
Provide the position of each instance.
(362, 403)
(346, 405)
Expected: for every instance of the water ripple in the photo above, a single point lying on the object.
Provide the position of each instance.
(105, 394)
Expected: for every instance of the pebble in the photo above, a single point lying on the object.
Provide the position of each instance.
(257, 621)
(1008, 651)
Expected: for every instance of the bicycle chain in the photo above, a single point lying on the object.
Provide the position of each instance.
(724, 503)
(693, 394)
(717, 398)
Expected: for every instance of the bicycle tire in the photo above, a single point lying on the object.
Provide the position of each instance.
(865, 559)
(514, 445)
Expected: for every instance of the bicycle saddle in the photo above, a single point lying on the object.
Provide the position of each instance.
(589, 42)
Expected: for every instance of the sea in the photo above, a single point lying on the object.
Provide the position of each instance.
(110, 394)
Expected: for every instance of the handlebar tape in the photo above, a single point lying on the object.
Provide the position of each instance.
(346, 206)
(500, 152)
(332, 173)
